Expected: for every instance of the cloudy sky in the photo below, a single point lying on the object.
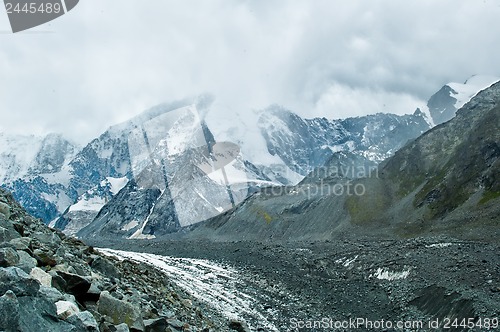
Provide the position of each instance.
(108, 60)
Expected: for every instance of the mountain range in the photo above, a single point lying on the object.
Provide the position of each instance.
(145, 177)
(444, 182)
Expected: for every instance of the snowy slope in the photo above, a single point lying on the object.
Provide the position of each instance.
(443, 105)
(17, 154)
(464, 92)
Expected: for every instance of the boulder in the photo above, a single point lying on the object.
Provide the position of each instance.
(18, 281)
(49, 239)
(43, 277)
(7, 233)
(26, 262)
(155, 325)
(8, 257)
(105, 267)
(120, 311)
(21, 243)
(4, 210)
(66, 309)
(45, 258)
(9, 307)
(75, 284)
(83, 321)
(37, 314)
(121, 328)
(51, 294)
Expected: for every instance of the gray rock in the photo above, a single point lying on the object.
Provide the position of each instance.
(49, 239)
(5, 210)
(15, 279)
(9, 307)
(51, 294)
(26, 262)
(105, 267)
(120, 311)
(39, 314)
(121, 328)
(22, 243)
(7, 234)
(83, 321)
(8, 257)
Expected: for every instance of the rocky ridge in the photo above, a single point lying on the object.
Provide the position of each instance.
(51, 282)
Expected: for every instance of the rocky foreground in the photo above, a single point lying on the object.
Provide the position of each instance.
(50, 282)
(419, 280)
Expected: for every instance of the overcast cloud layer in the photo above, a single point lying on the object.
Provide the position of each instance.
(108, 60)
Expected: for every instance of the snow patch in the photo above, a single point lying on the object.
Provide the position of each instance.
(117, 184)
(88, 204)
(439, 245)
(464, 92)
(390, 275)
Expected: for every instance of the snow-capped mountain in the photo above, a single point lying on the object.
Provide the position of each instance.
(451, 97)
(181, 176)
(160, 170)
(304, 144)
(35, 170)
(176, 182)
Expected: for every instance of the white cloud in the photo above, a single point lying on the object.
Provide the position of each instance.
(109, 60)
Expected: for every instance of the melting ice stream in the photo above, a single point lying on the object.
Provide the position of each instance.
(222, 287)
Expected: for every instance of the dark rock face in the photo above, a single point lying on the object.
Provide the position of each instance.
(304, 144)
(442, 105)
(51, 282)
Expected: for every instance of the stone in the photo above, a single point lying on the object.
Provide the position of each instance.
(75, 284)
(121, 328)
(15, 279)
(84, 321)
(8, 257)
(44, 258)
(7, 234)
(39, 314)
(26, 262)
(9, 309)
(21, 243)
(66, 309)
(57, 281)
(49, 239)
(5, 210)
(51, 294)
(155, 325)
(43, 277)
(105, 267)
(120, 311)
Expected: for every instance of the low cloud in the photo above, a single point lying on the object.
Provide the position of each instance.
(105, 62)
